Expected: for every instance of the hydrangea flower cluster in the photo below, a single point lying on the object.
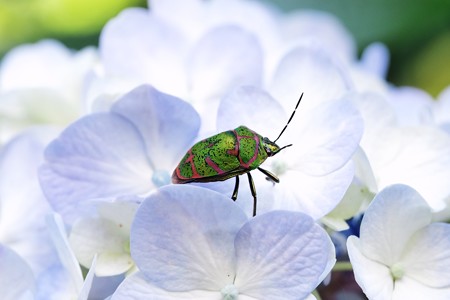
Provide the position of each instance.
(87, 206)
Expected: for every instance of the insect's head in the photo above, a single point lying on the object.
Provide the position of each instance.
(271, 148)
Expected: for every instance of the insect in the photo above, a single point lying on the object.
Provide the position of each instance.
(229, 154)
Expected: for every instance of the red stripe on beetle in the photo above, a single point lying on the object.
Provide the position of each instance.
(190, 161)
(255, 155)
(213, 165)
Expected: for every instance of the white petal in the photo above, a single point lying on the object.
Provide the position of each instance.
(44, 64)
(375, 59)
(324, 138)
(280, 255)
(427, 257)
(363, 170)
(223, 58)
(167, 124)
(16, 277)
(441, 108)
(310, 72)
(376, 113)
(139, 46)
(99, 156)
(65, 254)
(22, 205)
(91, 236)
(84, 292)
(182, 238)
(254, 108)
(136, 287)
(374, 278)
(313, 195)
(412, 106)
(408, 288)
(188, 16)
(319, 28)
(416, 156)
(387, 224)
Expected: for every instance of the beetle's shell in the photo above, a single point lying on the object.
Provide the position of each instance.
(221, 156)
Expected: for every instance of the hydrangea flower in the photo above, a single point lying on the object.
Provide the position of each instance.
(193, 243)
(400, 254)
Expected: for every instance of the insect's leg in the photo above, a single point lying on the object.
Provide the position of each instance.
(253, 190)
(235, 191)
(270, 175)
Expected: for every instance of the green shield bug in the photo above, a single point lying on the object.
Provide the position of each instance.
(229, 154)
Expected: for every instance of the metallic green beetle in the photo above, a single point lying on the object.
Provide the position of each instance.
(229, 154)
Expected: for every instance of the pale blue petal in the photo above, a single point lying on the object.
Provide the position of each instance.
(167, 124)
(393, 217)
(99, 156)
(225, 57)
(182, 238)
(280, 255)
(55, 284)
(254, 108)
(136, 287)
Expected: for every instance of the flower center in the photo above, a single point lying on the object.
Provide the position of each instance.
(397, 271)
(230, 292)
(160, 178)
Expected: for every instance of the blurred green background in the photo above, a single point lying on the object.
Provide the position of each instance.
(417, 32)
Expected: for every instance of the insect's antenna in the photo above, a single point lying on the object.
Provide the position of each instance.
(293, 113)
